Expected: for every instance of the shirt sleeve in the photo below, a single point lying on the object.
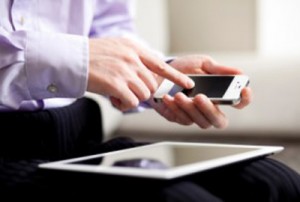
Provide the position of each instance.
(117, 19)
(36, 65)
(114, 19)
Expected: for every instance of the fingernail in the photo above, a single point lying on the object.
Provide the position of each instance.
(203, 97)
(167, 97)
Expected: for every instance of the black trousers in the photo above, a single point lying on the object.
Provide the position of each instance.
(75, 130)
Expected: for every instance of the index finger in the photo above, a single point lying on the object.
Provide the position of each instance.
(212, 67)
(161, 68)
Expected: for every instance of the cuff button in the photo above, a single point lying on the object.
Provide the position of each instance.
(52, 88)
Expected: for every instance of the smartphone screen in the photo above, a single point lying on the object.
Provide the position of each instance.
(210, 86)
(219, 88)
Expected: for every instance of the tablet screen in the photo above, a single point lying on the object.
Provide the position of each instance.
(169, 155)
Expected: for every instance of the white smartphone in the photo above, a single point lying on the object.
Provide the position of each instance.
(220, 89)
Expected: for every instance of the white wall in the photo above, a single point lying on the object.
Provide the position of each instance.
(279, 27)
(152, 23)
(178, 26)
(212, 25)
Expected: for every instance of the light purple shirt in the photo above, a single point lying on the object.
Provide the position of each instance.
(44, 47)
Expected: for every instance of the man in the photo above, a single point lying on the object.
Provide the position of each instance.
(52, 52)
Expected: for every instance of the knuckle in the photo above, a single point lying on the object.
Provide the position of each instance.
(139, 89)
(133, 103)
(128, 42)
(146, 95)
(161, 68)
(171, 119)
(130, 57)
(207, 58)
(204, 125)
(123, 108)
(169, 116)
(130, 104)
(221, 124)
(148, 79)
(187, 123)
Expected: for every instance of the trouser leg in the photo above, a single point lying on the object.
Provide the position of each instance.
(265, 180)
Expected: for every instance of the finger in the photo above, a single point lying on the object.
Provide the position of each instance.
(127, 99)
(212, 67)
(164, 111)
(143, 73)
(211, 112)
(169, 115)
(147, 77)
(161, 68)
(181, 116)
(187, 105)
(115, 102)
(220, 69)
(138, 87)
(246, 98)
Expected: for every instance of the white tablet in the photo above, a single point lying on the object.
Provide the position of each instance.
(163, 160)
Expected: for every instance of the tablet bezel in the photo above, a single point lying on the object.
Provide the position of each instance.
(170, 173)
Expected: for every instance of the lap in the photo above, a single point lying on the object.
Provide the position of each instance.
(262, 179)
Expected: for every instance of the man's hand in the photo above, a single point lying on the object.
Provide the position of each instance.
(200, 109)
(125, 71)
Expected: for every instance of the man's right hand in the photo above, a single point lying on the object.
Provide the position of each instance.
(126, 72)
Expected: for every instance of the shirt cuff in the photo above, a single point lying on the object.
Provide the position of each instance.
(142, 107)
(56, 65)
